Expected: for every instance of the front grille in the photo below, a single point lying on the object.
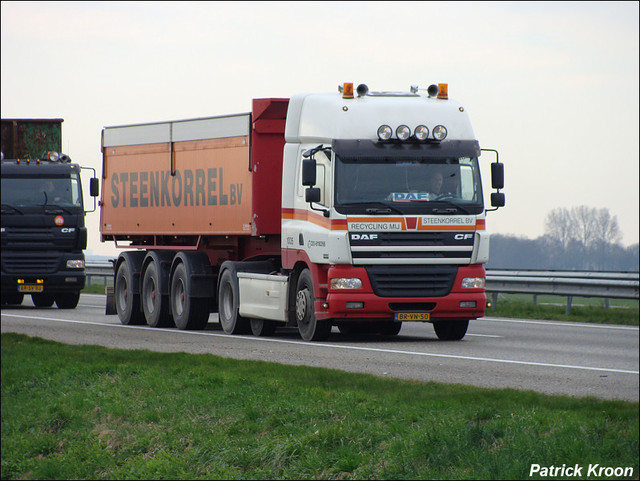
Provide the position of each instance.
(412, 281)
(19, 263)
(417, 247)
(36, 238)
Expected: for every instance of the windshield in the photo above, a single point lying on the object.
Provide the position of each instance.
(60, 190)
(426, 185)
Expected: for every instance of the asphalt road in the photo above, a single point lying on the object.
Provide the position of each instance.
(549, 357)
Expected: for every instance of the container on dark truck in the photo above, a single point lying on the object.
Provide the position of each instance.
(43, 217)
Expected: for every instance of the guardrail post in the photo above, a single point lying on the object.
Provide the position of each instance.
(606, 303)
(535, 299)
(495, 301)
(568, 309)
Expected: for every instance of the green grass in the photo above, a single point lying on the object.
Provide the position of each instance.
(88, 412)
(620, 311)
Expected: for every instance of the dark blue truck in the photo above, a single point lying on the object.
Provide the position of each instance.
(43, 216)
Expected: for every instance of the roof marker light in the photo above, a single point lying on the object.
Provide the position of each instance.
(347, 90)
(443, 91)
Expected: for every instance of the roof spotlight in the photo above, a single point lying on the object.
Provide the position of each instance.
(439, 132)
(384, 132)
(362, 90)
(403, 132)
(433, 90)
(421, 132)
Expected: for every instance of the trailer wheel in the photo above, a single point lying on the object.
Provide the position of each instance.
(310, 328)
(42, 300)
(127, 303)
(262, 327)
(228, 303)
(67, 300)
(189, 313)
(154, 305)
(451, 330)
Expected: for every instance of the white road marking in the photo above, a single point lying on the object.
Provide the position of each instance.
(338, 346)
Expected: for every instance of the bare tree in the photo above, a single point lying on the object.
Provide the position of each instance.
(560, 226)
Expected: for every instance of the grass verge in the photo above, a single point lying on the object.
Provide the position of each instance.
(88, 412)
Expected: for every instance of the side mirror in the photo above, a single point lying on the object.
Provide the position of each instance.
(497, 175)
(497, 199)
(94, 187)
(309, 172)
(312, 194)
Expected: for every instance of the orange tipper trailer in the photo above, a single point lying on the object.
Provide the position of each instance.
(356, 209)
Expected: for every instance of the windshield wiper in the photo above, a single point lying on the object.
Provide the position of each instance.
(454, 209)
(9, 209)
(384, 209)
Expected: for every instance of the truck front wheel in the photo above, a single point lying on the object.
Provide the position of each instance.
(42, 300)
(68, 300)
(451, 330)
(310, 328)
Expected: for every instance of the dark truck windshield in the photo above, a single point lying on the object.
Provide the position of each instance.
(30, 191)
(407, 179)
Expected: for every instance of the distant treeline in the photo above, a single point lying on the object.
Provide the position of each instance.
(580, 238)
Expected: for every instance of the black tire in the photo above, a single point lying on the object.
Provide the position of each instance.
(189, 313)
(228, 302)
(155, 306)
(310, 328)
(42, 299)
(13, 298)
(127, 303)
(262, 327)
(67, 300)
(451, 330)
(390, 328)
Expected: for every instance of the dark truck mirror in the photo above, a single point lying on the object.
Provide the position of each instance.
(309, 171)
(312, 194)
(497, 199)
(94, 187)
(497, 175)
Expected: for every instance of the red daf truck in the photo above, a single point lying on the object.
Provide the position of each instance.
(358, 209)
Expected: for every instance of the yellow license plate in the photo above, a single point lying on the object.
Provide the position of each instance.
(28, 288)
(412, 316)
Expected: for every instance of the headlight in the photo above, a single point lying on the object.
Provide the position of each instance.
(421, 132)
(75, 264)
(345, 283)
(403, 132)
(473, 282)
(384, 132)
(439, 132)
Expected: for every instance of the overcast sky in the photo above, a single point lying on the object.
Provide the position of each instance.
(552, 86)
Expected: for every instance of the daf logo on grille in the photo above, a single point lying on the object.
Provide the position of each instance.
(364, 236)
(462, 236)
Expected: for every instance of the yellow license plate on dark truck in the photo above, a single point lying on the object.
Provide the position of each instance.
(29, 288)
(412, 316)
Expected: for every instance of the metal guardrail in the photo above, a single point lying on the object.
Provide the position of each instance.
(606, 285)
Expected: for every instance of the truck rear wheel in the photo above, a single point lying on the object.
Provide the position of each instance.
(451, 330)
(154, 305)
(42, 300)
(310, 328)
(189, 313)
(229, 302)
(127, 303)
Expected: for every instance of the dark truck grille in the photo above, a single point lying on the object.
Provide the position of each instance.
(29, 263)
(36, 238)
(412, 281)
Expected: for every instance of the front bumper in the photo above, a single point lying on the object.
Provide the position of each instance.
(362, 304)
